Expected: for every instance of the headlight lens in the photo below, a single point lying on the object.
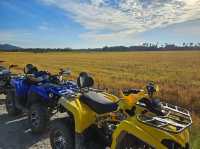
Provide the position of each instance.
(51, 95)
(141, 104)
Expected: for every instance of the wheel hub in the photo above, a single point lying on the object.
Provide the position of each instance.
(35, 119)
(59, 141)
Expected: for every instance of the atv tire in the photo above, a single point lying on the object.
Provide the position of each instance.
(10, 104)
(38, 118)
(62, 135)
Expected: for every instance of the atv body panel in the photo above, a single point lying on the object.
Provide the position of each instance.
(21, 86)
(83, 115)
(150, 135)
(46, 91)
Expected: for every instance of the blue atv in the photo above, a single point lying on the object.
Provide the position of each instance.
(36, 93)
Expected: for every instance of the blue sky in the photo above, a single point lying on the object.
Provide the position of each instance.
(96, 23)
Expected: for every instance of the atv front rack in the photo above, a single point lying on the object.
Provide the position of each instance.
(175, 119)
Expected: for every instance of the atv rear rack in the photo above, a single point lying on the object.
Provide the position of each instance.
(175, 120)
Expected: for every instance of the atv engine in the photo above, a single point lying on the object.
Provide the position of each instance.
(107, 124)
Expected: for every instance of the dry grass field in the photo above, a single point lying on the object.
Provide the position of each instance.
(177, 73)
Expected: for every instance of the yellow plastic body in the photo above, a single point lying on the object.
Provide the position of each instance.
(127, 102)
(83, 115)
(149, 135)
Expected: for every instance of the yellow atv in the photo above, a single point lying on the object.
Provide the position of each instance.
(98, 120)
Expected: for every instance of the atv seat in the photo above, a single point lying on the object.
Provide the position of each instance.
(98, 102)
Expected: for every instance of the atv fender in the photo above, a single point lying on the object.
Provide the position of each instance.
(83, 116)
(147, 134)
(128, 127)
(33, 98)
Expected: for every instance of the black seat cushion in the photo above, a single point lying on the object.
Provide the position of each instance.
(98, 102)
(127, 92)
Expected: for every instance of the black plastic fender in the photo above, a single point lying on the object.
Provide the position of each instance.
(33, 98)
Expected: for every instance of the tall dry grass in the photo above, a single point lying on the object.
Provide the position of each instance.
(177, 73)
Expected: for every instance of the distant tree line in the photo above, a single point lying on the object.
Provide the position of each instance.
(143, 47)
(154, 47)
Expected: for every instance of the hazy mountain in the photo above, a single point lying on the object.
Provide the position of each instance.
(9, 47)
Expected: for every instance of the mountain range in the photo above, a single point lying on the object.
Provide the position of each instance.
(8, 47)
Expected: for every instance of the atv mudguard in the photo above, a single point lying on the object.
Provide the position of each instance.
(150, 135)
(83, 116)
(25, 90)
(40, 91)
(21, 86)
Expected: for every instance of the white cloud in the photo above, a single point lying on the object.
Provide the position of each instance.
(190, 28)
(122, 19)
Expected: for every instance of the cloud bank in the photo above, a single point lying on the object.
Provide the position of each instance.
(122, 19)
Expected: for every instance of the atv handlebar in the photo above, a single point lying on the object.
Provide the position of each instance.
(2, 61)
(12, 66)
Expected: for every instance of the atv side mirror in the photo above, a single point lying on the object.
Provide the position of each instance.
(2, 61)
(151, 88)
(66, 71)
(12, 66)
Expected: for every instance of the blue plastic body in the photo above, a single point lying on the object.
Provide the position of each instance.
(43, 89)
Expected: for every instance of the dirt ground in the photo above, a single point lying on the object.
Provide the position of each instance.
(15, 132)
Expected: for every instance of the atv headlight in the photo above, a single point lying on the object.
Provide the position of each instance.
(51, 95)
(141, 104)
